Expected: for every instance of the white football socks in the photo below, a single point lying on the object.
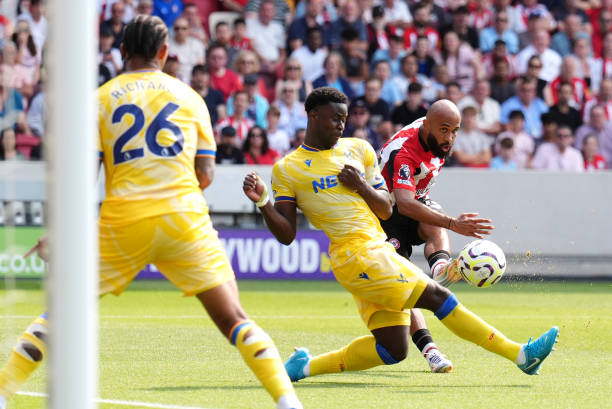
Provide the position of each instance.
(288, 402)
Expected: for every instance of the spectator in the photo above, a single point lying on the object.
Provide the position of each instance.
(501, 87)
(394, 54)
(481, 15)
(200, 82)
(37, 22)
(488, 109)
(377, 107)
(425, 58)
(223, 37)
(8, 145)
(549, 128)
(602, 29)
(171, 66)
(36, 115)
(350, 16)
(500, 31)
(389, 93)
(355, 61)
(246, 63)
(551, 60)
(563, 112)
(27, 53)
(535, 22)
(278, 139)
(593, 159)
(461, 27)
(421, 27)
(580, 89)
(499, 51)
(114, 25)
(503, 160)
(560, 9)
(472, 147)
(256, 148)
(23, 79)
(523, 145)
(440, 79)
(604, 63)
(107, 54)
(334, 75)
(293, 73)
(588, 67)
(167, 10)
(223, 79)
(527, 102)
(300, 136)
(281, 12)
(311, 55)
(12, 113)
(411, 109)
(189, 50)
(462, 62)
(529, 8)
(511, 12)
(145, 7)
(292, 113)
(191, 13)
(240, 41)
(599, 127)
(238, 120)
(227, 151)
(378, 33)
(453, 92)
(410, 74)
(534, 68)
(268, 37)
(258, 104)
(397, 14)
(439, 13)
(559, 154)
(299, 28)
(358, 119)
(603, 98)
(327, 15)
(562, 41)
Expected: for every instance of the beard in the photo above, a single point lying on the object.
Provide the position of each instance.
(436, 148)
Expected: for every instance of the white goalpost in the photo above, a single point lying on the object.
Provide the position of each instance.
(71, 158)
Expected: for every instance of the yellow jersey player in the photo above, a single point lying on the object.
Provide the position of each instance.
(337, 185)
(157, 147)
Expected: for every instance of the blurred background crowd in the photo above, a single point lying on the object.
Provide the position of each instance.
(532, 79)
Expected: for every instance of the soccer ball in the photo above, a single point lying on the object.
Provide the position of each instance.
(481, 263)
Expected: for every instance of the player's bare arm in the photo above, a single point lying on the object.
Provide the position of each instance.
(378, 200)
(205, 170)
(281, 218)
(467, 224)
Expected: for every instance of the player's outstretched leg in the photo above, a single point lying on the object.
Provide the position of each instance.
(438, 362)
(470, 327)
(387, 346)
(255, 346)
(25, 358)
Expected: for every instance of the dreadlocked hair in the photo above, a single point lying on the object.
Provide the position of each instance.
(323, 96)
(143, 36)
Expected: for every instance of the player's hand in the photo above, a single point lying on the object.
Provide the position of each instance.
(41, 248)
(468, 224)
(351, 177)
(252, 187)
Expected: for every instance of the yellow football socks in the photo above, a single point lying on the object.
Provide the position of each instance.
(467, 325)
(25, 358)
(260, 354)
(362, 353)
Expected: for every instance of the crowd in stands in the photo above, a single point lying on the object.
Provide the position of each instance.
(532, 79)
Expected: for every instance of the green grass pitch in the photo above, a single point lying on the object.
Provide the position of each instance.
(160, 348)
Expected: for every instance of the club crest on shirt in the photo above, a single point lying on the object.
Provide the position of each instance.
(404, 175)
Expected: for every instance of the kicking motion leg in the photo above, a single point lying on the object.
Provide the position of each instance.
(25, 358)
(255, 346)
(438, 362)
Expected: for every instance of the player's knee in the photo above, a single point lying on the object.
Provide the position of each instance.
(392, 353)
(433, 297)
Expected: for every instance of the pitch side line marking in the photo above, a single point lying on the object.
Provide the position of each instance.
(189, 317)
(122, 402)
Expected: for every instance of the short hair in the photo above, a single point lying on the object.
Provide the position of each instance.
(564, 83)
(273, 110)
(547, 118)
(143, 37)
(221, 23)
(238, 21)
(349, 34)
(414, 87)
(314, 29)
(199, 69)
(517, 114)
(469, 110)
(524, 79)
(323, 96)
(507, 143)
(453, 84)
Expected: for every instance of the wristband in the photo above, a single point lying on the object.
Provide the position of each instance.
(264, 199)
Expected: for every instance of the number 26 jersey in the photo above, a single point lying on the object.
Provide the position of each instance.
(151, 127)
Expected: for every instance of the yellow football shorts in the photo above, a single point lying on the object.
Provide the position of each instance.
(184, 246)
(382, 282)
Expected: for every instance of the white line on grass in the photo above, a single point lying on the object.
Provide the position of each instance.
(122, 402)
(197, 317)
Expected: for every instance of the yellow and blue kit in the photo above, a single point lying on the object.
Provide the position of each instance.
(368, 267)
(151, 128)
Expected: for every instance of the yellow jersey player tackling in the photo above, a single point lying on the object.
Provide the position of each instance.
(337, 185)
(157, 146)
